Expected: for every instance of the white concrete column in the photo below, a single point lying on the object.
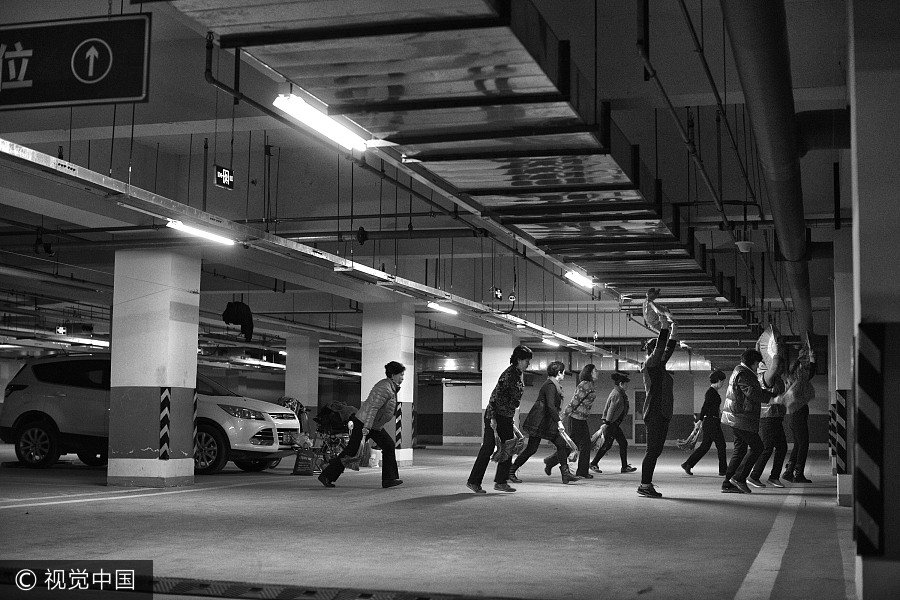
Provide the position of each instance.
(301, 377)
(155, 318)
(495, 353)
(841, 367)
(873, 88)
(389, 333)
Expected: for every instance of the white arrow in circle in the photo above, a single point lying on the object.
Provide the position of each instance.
(91, 55)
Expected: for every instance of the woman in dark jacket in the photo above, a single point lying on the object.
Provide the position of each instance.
(543, 422)
(658, 405)
(498, 421)
(614, 413)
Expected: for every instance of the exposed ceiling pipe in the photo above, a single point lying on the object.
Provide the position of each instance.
(758, 34)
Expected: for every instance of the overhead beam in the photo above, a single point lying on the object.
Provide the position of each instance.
(549, 153)
(547, 189)
(364, 30)
(486, 133)
(417, 104)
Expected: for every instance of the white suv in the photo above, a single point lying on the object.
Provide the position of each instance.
(58, 405)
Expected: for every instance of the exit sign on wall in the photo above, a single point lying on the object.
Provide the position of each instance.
(224, 177)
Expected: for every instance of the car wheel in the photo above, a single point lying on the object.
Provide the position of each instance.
(252, 466)
(93, 459)
(211, 450)
(37, 445)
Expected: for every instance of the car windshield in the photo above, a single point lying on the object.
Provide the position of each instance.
(208, 387)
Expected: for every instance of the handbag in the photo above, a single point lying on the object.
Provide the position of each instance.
(691, 440)
(352, 462)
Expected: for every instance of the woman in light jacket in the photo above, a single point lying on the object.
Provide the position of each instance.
(543, 422)
(368, 423)
(575, 420)
(614, 413)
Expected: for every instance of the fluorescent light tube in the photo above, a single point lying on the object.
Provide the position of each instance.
(178, 225)
(580, 279)
(307, 114)
(88, 341)
(442, 308)
(551, 342)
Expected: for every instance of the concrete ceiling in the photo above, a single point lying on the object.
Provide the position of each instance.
(497, 121)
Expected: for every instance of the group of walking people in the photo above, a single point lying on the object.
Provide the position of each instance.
(757, 398)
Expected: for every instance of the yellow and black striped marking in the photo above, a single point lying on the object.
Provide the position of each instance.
(869, 473)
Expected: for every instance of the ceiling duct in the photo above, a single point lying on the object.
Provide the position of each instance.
(759, 42)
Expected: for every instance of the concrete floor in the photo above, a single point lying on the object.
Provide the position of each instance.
(591, 539)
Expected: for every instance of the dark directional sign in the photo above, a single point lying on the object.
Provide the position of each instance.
(224, 177)
(99, 60)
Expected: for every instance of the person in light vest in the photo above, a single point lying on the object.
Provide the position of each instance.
(368, 423)
(741, 412)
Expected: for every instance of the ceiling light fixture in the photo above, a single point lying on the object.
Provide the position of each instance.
(442, 308)
(179, 226)
(551, 342)
(88, 341)
(580, 279)
(298, 108)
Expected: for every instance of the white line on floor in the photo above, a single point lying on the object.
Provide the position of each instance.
(74, 495)
(132, 495)
(844, 529)
(761, 577)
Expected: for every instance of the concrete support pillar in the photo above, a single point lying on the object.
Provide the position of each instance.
(841, 367)
(152, 404)
(873, 88)
(389, 333)
(495, 353)
(301, 377)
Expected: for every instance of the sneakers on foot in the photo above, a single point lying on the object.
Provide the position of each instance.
(741, 485)
(648, 491)
(755, 482)
(548, 469)
(629, 469)
(476, 488)
(775, 482)
(391, 483)
(727, 488)
(801, 479)
(512, 477)
(686, 468)
(595, 469)
(324, 481)
(584, 476)
(504, 487)
(788, 477)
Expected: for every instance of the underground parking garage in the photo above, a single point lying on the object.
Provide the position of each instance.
(225, 224)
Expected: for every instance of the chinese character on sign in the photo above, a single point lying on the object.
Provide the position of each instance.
(78, 579)
(13, 65)
(125, 579)
(55, 579)
(102, 578)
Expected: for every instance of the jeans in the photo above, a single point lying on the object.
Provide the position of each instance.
(581, 435)
(747, 448)
(712, 432)
(389, 470)
(562, 450)
(800, 428)
(505, 431)
(613, 434)
(771, 430)
(657, 429)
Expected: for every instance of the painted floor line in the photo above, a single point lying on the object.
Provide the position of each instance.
(74, 495)
(131, 494)
(843, 526)
(760, 579)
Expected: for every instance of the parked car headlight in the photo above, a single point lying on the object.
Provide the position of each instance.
(242, 413)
